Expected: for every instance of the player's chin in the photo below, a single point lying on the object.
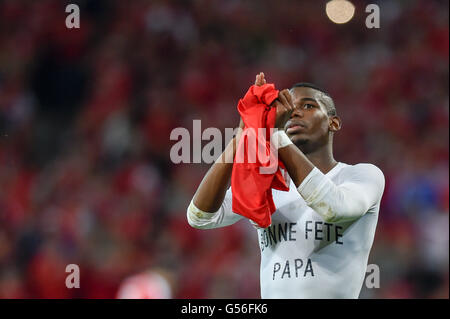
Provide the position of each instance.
(299, 139)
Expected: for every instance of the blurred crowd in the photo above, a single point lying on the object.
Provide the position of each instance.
(86, 115)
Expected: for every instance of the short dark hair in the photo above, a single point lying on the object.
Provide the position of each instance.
(331, 108)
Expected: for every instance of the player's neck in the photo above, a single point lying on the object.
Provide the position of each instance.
(323, 159)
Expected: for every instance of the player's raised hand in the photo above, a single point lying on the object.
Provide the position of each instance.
(284, 106)
(283, 103)
(260, 80)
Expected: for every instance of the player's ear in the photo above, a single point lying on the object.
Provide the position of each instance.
(335, 123)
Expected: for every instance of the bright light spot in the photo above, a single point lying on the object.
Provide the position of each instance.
(340, 11)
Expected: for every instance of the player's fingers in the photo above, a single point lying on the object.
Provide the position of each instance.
(282, 114)
(289, 97)
(257, 79)
(282, 110)
(284, 101)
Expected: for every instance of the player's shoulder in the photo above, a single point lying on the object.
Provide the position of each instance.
(363, 169)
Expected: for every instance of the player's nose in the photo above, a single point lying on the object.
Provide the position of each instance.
(297, 112)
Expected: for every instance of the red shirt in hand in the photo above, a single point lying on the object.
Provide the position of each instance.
(252, 190)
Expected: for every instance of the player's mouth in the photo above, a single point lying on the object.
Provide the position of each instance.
(295, 127)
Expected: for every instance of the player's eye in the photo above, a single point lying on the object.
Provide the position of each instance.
(308, 106)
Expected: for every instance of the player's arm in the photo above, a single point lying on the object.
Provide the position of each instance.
(211, 191)
(363, 187)
(211, 206)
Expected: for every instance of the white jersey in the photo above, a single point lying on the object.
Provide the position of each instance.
(321, 233)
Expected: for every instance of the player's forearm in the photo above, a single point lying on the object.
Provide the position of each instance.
(211, 191)
(296, 163)
(346, 201)
(332, 202)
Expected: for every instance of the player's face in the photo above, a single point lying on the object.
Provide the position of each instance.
(308, 127)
